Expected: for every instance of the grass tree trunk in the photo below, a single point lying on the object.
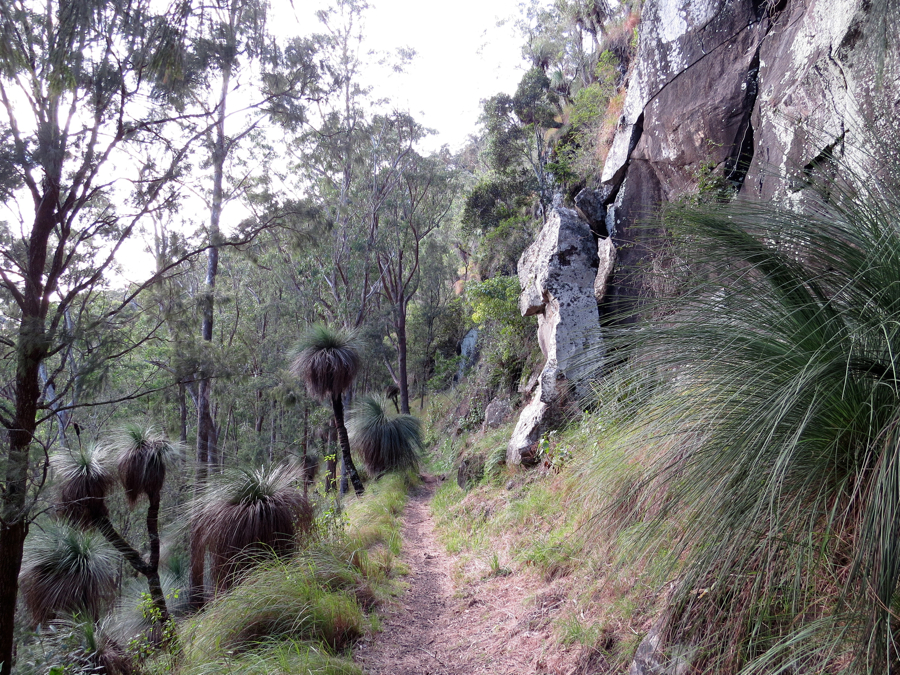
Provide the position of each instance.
(153, 580)
(149, 570)
(337, 403)
(331, 459)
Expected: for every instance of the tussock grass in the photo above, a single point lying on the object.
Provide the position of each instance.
(294, 615)
(282, 658)
(763, 464)
(283, 600)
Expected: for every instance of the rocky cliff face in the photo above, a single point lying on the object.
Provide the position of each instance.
(754, 92)
(557, 274)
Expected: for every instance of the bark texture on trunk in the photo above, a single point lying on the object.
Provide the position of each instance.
(337, 403)
(401, 358)
(31, 349)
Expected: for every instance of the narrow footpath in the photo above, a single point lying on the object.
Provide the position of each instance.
(491, 626)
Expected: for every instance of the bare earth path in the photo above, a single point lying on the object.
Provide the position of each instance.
(491, 626)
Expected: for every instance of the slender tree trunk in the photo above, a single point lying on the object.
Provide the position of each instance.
(205, 433)
(306, 468)
(401, 357)
(148, 570)
(337, 404)
(153, 580)
(183, 412)
(331, 460)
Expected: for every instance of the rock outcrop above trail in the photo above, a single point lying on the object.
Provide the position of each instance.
(557, 274)
(745, 97)
(753, 93)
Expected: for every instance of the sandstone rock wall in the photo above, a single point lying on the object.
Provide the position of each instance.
(753, 91)
(557, 274)
(750, 90)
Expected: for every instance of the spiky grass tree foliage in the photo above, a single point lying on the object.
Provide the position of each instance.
(386, 443)
(141, 455)
(776, 406)
(85, 480)
(246, 514)
(68, 571)
(327, 361)
(89, 646)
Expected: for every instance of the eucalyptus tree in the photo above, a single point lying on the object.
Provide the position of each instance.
(419, 206)
(84, 109)
(249, 80)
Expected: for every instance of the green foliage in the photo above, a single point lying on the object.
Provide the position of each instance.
(534, 103)
(506, 334)
(386, 443)
(502, 247)
(294, 613)
(776, 440)
(280, 600)
(79, 646)
(281, 658)
(495, 299)
(164, 633)
(492, 200)
(68, 571)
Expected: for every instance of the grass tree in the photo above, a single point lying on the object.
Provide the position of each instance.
(774, 397)
(68, 571)
(142, 456)
(328, 361)
(247, 513)
(385, 442)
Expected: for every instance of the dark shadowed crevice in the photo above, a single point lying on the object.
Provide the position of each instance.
(738, 163)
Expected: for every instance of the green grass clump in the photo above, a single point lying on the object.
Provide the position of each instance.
(764, 460)
(282, 658)
(292, 615)
(281, 600)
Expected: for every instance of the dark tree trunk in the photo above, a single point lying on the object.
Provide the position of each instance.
(183, 412)
(401, 358)
(337, 403)
(31, 349)
(197, 591)
(148, 570)
(205, 432)
(153, 581)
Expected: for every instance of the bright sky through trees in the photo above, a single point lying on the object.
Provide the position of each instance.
(465, 52)
(462, 57)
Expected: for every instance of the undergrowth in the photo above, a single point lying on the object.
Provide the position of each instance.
(301, 614)
(539, 523)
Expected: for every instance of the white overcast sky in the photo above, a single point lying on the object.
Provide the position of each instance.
(462, 56)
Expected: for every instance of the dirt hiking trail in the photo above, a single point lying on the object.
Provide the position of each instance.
(490, 626)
